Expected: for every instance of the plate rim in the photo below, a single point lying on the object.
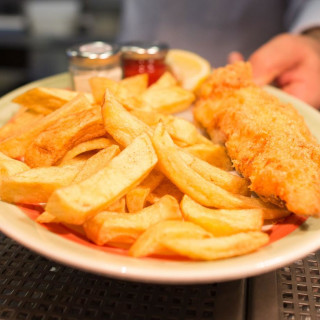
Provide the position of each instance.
(156, 270)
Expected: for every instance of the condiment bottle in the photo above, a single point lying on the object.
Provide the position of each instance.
(144, 57)
(93, 59)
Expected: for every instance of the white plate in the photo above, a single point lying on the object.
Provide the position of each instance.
(19, 226)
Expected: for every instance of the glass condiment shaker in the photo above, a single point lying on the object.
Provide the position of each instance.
(144, 57)
(93, 59)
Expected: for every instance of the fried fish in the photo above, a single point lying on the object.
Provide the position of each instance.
(266, 139)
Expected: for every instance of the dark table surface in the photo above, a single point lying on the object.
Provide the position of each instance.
(35, 288)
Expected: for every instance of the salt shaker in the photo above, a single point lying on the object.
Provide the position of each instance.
(93, 59)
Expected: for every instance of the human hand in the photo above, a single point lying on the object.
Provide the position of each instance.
(292, 62)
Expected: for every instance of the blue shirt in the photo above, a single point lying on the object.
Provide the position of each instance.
(214, 28)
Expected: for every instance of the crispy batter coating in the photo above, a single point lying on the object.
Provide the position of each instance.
(267, 140)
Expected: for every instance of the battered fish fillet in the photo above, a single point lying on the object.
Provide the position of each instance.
(267, 140)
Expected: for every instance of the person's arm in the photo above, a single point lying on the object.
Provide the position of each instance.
(292, 60)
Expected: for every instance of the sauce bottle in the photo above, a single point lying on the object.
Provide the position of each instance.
(93, 59)
(144, 57)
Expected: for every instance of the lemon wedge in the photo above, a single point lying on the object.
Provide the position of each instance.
(189, 68)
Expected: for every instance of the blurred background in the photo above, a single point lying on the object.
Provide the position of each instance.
(34, 35)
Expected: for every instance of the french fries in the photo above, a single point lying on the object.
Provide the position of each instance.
(190, 182)
(119, 123)
(167, 80)
(164, 188)
(217, 248)
(113, 227)
(17, 124)
(36, 185)
(214, 154)
(45, 100)
(78, 202)
(46, 217)
(87, 146)
(99, 86)
(168, 99)
(16, 145)
(151, 241)
(221, 222)
(10, 167)
(97, 162)
(136, 85)
(120, 168)
(221, 178)
(137, 197)
(183, 132)
(53, 143)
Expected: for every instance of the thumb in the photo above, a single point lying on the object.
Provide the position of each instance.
(273, 59)
(235, 56)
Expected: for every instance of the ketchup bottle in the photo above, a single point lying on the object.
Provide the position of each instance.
(144, 57)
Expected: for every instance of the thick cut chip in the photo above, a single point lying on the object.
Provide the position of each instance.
(81, 158)
(190, 182)
(118, 206)
(24, 118)
(150, 118)
(36, 185)
(46, 217)
(99, 85)
(120, 123)
(167, 100)
(183, 132)
(45, 100)
(275, 214)
(137, 197)
(214, 154)
(151, 241)
(167, 80)
(165, 187)
(221, 222)
(55, 141)
(217, 248)
(97, 162)
(136, 85)
(10, 167)
(78, 202)
(15, 146)
(113, 227)
(226, 180)
(90, 145)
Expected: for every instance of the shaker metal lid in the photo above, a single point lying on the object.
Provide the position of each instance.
(144, 50)
(94, 53)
